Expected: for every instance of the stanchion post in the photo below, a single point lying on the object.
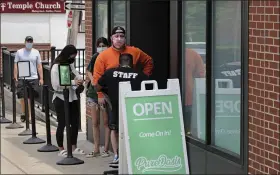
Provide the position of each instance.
(69, 160)
(64, 80)
(27, 130)
(14, 125)
(79, 119)
(34, 139)
(48, 147)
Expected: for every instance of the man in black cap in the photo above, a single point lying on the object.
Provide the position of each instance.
(110, 80)
(33, 56)
(109, 58)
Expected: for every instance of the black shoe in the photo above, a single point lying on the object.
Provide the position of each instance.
(114, 165)
(22, 118)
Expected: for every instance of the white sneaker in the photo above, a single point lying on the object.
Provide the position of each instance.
(93, 154)
(78, 151)
(62, 153)
(105, 154)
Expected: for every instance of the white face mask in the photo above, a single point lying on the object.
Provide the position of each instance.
(28, 45)
(100, 49)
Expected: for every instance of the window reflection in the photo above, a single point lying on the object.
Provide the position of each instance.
(119, 13)
(194, 58)
(227, 74)
(102, 19)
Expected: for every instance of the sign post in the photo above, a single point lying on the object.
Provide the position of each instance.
(65, 80)
(152, 136)
(70, 19)
(25, 72)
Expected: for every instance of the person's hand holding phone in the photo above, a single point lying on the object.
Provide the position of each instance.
(79, 82)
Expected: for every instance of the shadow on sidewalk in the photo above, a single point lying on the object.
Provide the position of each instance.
(91, 165)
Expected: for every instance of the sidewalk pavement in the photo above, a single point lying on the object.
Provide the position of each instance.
(19, 158)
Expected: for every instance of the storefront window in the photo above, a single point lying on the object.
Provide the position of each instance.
(119, 13)
(194, 59)
(227, 74)
(102, 19)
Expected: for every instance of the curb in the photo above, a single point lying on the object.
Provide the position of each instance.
(39, 115)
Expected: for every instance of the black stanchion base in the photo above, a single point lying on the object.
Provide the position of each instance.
(48, 148)
(26, 132)
(34, 140)
(14, 126)
(114, 165)
(70, 161)
(4, 120)
(113, 172)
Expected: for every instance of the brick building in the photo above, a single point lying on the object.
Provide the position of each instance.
(264, 89)
(242, 46)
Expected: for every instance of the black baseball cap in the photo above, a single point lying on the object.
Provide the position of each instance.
(118, 29)
(29, 38)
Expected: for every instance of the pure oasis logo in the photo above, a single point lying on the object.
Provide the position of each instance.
(161, 164)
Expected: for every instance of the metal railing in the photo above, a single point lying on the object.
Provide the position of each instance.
(47, 57)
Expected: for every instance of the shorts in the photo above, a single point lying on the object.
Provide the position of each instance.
(92, 100)
(34, 85)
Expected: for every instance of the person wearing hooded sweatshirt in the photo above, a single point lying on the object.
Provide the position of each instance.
(109, 58)
(67, 56)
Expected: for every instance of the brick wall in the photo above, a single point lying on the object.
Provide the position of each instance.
(264, 90)
(88, 36)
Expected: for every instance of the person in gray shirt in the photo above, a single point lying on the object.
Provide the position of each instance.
(33, 56)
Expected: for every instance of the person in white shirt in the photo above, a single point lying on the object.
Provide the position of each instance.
(33, 56)
(67, 56)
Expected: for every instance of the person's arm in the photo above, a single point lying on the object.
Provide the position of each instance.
(16, 66)
(40, 68)
(90, 69)
(98, 87)
(76, 73)
(199, 67)
(89, 74)
(98, 71)
(102, 82)
(147, 62)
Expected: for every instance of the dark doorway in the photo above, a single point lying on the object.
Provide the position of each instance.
(149, 31)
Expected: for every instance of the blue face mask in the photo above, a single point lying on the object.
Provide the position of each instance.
(28, 45)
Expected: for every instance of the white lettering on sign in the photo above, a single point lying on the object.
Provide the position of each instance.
(227, 106)
(19, 6)
(124, 74)
(40, 5)
(27, 5)
(155, 134)
(232, 73)
(227, 131)
(161, 164)
(156, 108)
